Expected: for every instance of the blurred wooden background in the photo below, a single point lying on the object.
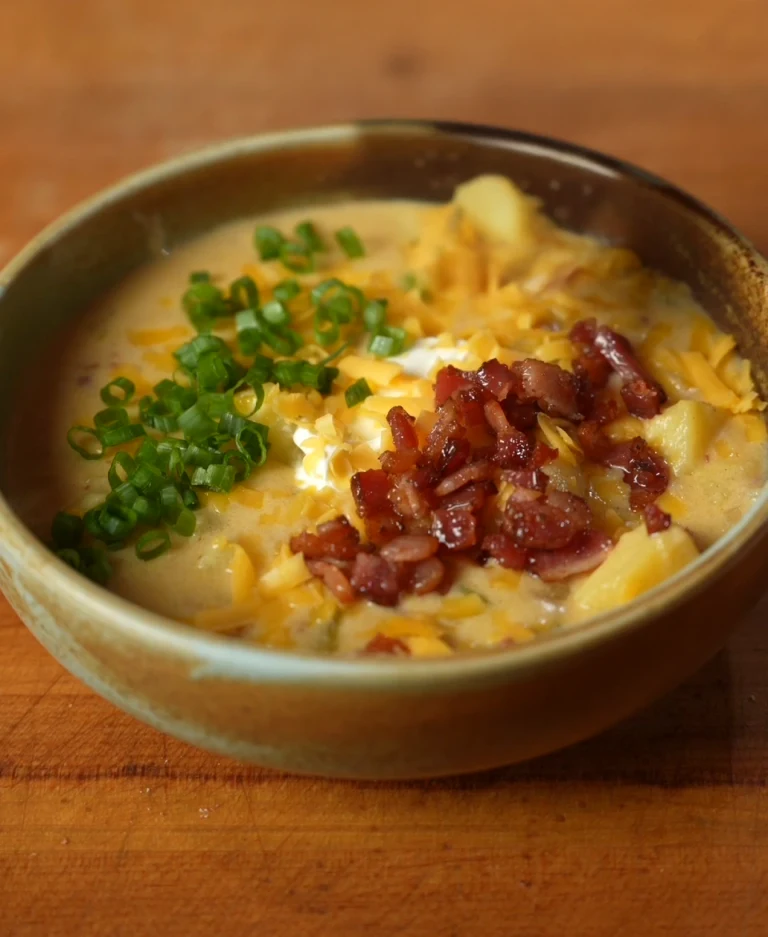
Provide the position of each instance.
(108, 828)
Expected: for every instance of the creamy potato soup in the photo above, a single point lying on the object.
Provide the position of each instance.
(390, 427)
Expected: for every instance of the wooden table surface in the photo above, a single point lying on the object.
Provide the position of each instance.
(660, 826)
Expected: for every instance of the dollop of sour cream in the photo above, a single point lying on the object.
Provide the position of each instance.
(419, 361)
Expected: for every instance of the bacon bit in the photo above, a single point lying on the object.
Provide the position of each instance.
(656, 520)
(585, 553)
(450, 380)
(375, 578)
(381, 644)
(426, 576)
(476, 472)
(409, 548)
(554, 390)
(427, 510)
(403, 429)
(504, 550)
(456, 530)
(336, 539)
(334, 579)
(371, 492)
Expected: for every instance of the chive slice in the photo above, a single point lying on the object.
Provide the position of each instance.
(71, 557)
(216, 477)
(251, 441)
(196, 424)
(126, 390)
(122, 434)
(190, 499)
(125, 493)
(185, 523)
(117, 520)
(203, 303)
(286, 290)
(275, 313)
(66, 530)
(239, 392)
(189, 354)
(309, 235)
(95, 564)
(147, 479)
(350, 243)
(86, 442)
(212, 372)
(268, 242)
(152, 544)
(296, 256)
(244, 294)
(283, 341)
(357, 392)
(148, 452)
(389, 340)
(242, 465)
(121, 462)
(249, 334)
(147, 510)
(199, 276)
(375, 315)
(110, 418)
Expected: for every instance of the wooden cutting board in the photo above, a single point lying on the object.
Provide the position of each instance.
(660, 826)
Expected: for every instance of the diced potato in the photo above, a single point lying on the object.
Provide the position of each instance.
(498, 209)
(684, 432)
(639, 562)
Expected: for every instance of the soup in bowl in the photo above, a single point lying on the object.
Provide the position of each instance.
(352, 447)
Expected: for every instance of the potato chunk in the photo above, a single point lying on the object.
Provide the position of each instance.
(639, 562)
(499, 210)
(683, 433)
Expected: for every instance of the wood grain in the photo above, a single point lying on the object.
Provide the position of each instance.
(659, 827)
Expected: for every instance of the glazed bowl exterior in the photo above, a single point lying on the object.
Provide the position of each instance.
(377, 718)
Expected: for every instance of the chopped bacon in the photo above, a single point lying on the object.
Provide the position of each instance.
(449, 381)
(505, 551)
(554, 390)
(375, 578)
(409, 548)
(585, 553)
(381, 644)
(456, 530)
(336, 539)
(426, 576)
(656, 520)
(334, 579)
(430, 508)
(403, 429)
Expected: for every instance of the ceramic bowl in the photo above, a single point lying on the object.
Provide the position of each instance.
(377, 718)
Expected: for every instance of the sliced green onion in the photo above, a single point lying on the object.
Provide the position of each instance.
(148, 479)
(309, 235)
(126, 390)
(171, 504)
(216, 405)
(190, 499)
(204, 303)
(199, 276)
(216, 477)
(249, 334)
(357, 392)
(350, 243)
(91, 522)
(152, 544)
(196, 424)
(201, 456)
(240, 463)
(148, 452)
(409, 282)
(336, 354)
(66, 530)
(232, 423)
(212, 372)
(318, 376)
(122, 462)
(286, 290)
(275, 313)
(251, 441)
(283, 341)
(122, 434)
(333, 288)
(147, 510)
(117, 520)
(86, 442)
(111, 417)
(375, 315)
(125, 493)
(185, 523)
(239, 392)
(189, 355)
(95, 564)
(287, 372)
(244, 294)
(297, 257)
(71, 557)
(326, 336)
(390, 340)
(268, 242)
(260, 371)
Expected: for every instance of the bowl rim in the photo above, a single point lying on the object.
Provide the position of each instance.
(232, 658)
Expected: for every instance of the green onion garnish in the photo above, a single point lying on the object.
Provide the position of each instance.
(70, 556)
(268, 242)
(275, 313)
(390, 340)
(86, 442)
(286, 290)
(204, 303)
(121, 434)
(126, 390)
(111, 417)
(185, 523)
(244, 294)
(357, 392)
(251, 440)
(121, 462)
(66, 530)
(249, 334)
(350, 243)
(375, 315)
(296, 256)
(152, 544)
(148, 479)
(199, 276)
(117, 520)
(196, 424)
(308, 234)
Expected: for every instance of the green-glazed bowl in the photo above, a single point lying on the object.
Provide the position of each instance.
(377, 718)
